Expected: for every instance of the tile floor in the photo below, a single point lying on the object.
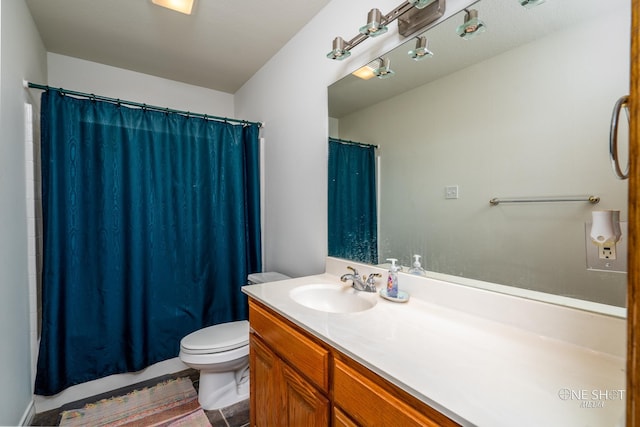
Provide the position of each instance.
(233, 416)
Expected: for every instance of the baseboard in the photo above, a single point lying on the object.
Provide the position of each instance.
(92, 388)
(28, 415)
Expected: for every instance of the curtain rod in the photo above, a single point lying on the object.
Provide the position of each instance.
(137, 104)
(346, 141)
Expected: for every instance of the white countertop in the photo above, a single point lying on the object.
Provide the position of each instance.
(476, 370)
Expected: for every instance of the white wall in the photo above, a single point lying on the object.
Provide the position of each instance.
(290, 94)
(22, 56)
(551, 138)
(90, 77)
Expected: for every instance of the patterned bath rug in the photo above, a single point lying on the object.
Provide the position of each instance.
(173, 403)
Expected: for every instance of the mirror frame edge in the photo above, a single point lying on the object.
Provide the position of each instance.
(633, 286)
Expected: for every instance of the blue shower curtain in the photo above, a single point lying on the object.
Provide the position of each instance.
(352, 217)
(151, 223)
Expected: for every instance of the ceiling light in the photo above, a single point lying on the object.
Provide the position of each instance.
(421, 4)
(530, 3)
(364, 73)
(339, 51)
(421, 50)
(384, 71)
(182, 6)
(472, 26)
(374, 25)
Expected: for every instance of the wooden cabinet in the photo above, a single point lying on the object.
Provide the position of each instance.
(289, 374)
(280, 396)
(304, 404)
(265, 384)
(298, 380)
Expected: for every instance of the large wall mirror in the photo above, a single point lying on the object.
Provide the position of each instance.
(521, 111)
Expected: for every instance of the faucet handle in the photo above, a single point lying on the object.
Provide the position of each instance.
(372, 278)
(370, 283)
(353, 270)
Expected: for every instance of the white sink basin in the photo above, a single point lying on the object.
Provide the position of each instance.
(333, 298)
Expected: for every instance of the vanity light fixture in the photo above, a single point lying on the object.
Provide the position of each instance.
(421, 50)
(530, 3)
(384, 71)
(375, 26)
(421, 4)
(472, 26)
(412, 15)
(182, 6)
(364, 73)
(339, 51)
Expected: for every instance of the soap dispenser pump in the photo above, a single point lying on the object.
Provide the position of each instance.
(392, 281)
(417, 267)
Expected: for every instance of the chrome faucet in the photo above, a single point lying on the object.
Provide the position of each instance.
(359, 283)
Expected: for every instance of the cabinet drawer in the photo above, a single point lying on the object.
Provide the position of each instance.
(365, 397)
(309, 358)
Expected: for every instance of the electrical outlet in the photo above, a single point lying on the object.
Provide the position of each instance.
(607, 258)
(451, 192)
(607, 252)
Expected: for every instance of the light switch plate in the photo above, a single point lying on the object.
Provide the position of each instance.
(451, 192)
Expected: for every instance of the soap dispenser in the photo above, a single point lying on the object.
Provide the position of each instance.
(392, 281)
(417, 268)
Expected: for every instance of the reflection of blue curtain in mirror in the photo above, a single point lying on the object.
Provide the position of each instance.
(151, 225)
(352, 217)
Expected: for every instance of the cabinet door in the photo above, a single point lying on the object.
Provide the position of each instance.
(266, 398)
(304, 404)
(281, 397)
(340, 419)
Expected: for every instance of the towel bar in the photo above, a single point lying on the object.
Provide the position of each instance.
(592, 199)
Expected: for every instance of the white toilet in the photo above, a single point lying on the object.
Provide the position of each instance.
(221, 354)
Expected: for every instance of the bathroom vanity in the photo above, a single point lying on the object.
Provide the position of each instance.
(451, 355)
(291, 381)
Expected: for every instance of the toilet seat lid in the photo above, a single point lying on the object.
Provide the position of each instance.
(217, 338)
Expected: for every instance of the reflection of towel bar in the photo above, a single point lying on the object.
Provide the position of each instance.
(592, 199)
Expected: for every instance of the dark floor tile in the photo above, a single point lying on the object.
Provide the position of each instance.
(216, 418)
(48, 418)
(237, 415)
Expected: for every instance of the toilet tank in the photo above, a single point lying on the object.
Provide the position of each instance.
(269, 276)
